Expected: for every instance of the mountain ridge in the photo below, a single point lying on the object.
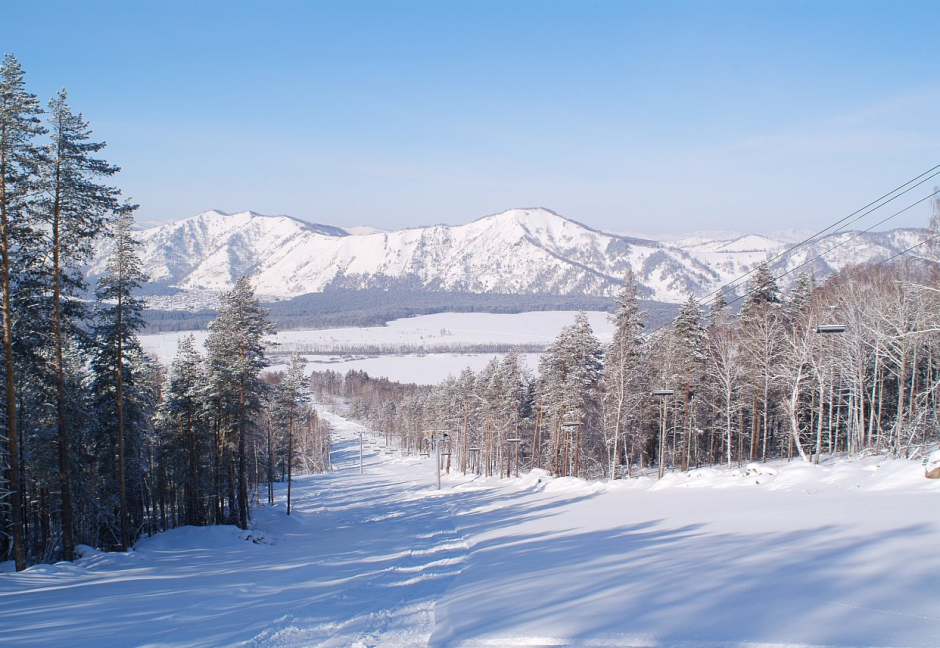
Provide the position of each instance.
(517, 251)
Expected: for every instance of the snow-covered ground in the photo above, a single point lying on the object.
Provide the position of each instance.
(838, 555)
(439, 334)
(425, 369)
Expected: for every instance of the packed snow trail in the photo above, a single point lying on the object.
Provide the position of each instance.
(843, 555)
(361, 560)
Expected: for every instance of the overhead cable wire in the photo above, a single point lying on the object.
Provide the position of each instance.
(874, 206)
(857, 214)
(848, 240)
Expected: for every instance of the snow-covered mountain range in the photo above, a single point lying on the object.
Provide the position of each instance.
(524, 251)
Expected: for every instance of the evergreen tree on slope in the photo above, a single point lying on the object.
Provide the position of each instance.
(19, 126)
(622, 371)
(235, 360)
(74, 209)
(117, 350)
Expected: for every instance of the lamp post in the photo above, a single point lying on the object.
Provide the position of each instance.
(475, 459)
(662, 394)
(826, 329)
(570, 425)
(438, 438)
(515, 447)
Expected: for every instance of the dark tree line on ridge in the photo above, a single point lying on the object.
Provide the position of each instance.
(339, 307)
(765, 383)
(101, 444)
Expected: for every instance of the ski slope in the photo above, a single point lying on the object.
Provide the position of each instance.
(793, 555)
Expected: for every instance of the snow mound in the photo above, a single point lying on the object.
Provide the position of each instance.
(84, 551)
(192, 538)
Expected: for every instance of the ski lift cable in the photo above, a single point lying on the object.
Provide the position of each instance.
(857, 234)
(882, 262)
(840, 224)
(734, 283)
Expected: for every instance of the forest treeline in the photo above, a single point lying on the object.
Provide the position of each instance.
(848, 366)
(340, 307)
(101, 444)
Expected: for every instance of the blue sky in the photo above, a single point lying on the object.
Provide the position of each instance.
(651, 117)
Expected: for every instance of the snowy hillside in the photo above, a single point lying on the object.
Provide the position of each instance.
(520, 251)
(790, 555)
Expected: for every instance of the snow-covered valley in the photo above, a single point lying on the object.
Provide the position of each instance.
(794, 554)
(445, 341)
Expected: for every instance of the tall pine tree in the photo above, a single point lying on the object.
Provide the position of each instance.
(75, 208)
(235, 360)
(19, 126)
(119, 319)
(290, 401)
(690, 348)
(181, 417)
(622, 367)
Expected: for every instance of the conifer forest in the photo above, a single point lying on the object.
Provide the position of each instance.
(101, 444)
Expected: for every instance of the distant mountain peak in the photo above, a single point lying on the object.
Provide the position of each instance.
(530, 250)
(249, 216)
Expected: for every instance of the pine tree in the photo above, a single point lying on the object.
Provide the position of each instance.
(75, 209)
(622, 366)
(290, 401)
(487, 392)
(235, 359)
(119, 318)
(19, 125)
(762, 290)
(724, 368)
(690, 348)
(799, 296)
(762, 331)
(464, 397)
(718, 307)
(514, 405)
(181, 415)
(568, 386)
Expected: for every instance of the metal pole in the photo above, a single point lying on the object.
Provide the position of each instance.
(662, 437)
(437, 460)
(360, 452)
(663, 394)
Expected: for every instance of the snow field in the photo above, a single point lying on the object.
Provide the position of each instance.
(781, 555)
(438, 332)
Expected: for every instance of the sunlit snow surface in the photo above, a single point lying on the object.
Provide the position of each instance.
(438, 333)
(792, 555)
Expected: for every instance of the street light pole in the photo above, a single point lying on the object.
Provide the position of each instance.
(438, 437)
(437, 461)
(825, 329)
(514, 443)
(662, 394)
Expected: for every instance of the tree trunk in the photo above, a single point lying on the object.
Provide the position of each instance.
(13, 471)
(122, 488)
(68, 539)
(242, 461)
(728, 415)
(290, 457)
(819, 421)
(793, 411)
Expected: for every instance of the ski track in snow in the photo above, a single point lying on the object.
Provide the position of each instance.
(802, 556)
